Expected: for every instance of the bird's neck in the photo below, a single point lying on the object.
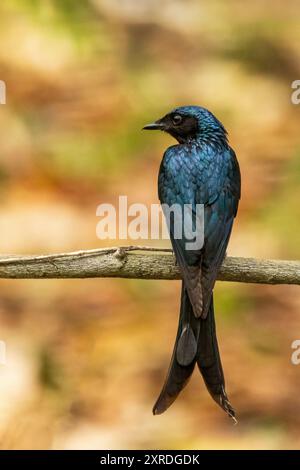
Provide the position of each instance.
(207, 139)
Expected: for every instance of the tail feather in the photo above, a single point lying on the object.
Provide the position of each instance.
(209, 362)
(196, 341)
(183, 358)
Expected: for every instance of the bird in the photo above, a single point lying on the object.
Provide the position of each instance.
(201, 169)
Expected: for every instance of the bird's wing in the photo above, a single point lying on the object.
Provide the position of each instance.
(189, 176)
(178, 181)
(218, 221)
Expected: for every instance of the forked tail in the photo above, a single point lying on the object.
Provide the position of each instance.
(196, 341)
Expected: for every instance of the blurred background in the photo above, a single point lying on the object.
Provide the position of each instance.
(86, 358)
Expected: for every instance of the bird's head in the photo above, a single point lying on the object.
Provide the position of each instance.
(191, 123)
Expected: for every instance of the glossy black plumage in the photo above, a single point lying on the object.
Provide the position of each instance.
(201, 169)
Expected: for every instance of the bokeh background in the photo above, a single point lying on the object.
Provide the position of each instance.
(86, 358)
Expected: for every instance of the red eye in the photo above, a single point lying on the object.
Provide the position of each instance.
(176, 119)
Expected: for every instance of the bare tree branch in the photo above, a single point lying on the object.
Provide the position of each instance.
(140, 262)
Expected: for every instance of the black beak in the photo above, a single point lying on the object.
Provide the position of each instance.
(154, 126)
